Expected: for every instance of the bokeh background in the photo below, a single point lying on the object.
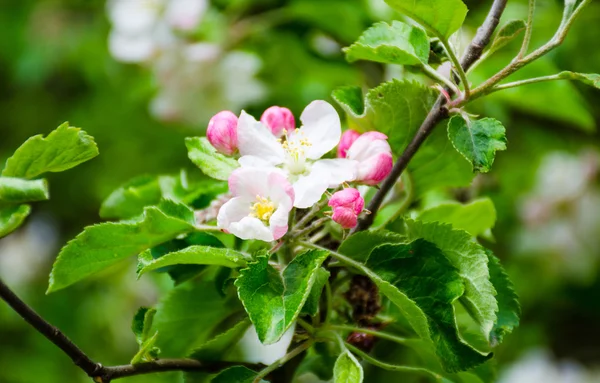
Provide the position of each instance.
(141, 82)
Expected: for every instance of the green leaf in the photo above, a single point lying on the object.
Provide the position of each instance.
(398, 43)
(104, 245)
(192, 314)
(351, 99)
(360, 245)
(193, 255)
(506, 34)
(476, 217)
(397, 109)
(218, 347)
(311, 307)
(441, 17)
(477, 140)
(64, 148)
(347, 369)
(130, 199)
(591, 79)
(17, 190)
(211, 162)
(419, 279)
(147, 351)
(237, 374)
(11, 217)
(470, 259)
(273, 300)
(182, 273)
(509, 309)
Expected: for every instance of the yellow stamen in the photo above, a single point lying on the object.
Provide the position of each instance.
(262, 209)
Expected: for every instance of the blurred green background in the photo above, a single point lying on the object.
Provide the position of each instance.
(55, 65)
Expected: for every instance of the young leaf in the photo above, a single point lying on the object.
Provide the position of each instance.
(273, 300)
(193, 255)
(347, 369)
(441, 17)
(212, 163)
(130, 199)
(64, 148)
(141, 327)
(398, 43)
(311, 307)
(477, 140)
(192, 314)
(470, 259)
(591, 79)
(237, 374)
(397, 109)
(506, 34)
(476, 217)
(418, 278)
(17, 190)
(509, 309)
(351, 99)
(103, 245)
(360, 245)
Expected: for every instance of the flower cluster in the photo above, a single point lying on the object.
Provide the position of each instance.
(282, 167)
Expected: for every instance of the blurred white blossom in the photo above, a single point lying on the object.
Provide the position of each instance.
(194, 79)
(537, 366)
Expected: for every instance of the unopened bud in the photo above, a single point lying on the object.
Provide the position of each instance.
(346, 142)
(222, 132)
(374, 156)
(278, 119)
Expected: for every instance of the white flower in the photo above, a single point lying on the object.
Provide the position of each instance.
(261, 205)
(298, 156)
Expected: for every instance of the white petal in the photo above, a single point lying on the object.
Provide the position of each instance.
(232, 211)
(185, 14)
(255, 139)
(338, 170)
(251, 228)
(131, 48)
(249, 182)
(134, 16)
(310, 188)
(322, 127)
(279, 221)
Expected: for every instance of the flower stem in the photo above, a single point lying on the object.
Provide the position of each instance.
(392, 367)
(528, 30)
(379, 334)
(457, 66)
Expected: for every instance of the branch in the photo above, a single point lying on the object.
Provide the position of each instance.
(95, 370)
(436, 114)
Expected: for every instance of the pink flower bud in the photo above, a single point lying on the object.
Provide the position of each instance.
(374, 156)
(222, 132)
(346, 142)
(277, 119)
(347, 204)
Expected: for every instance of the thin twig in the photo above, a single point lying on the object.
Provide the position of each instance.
(286, 358)
(436, 114)
(95, 370)
(528, 30)
(379, 334)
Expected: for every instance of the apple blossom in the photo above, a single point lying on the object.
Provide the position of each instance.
(222, 132)
(261, 203)
(298, 155)
(278, 119)
(346, 142)
(347, 204)
(374, 156)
